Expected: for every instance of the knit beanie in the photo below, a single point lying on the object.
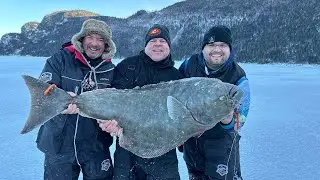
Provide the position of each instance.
(217, 34)
(158, 31)
(93, 26)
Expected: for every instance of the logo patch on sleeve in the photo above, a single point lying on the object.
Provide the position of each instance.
(222, 169)
(46, 76)
(105, 165)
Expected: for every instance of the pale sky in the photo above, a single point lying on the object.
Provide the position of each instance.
(15, 13)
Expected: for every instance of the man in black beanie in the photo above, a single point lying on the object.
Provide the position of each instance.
(153, 65)
(158, 31)
(217, 34)
(214, 154)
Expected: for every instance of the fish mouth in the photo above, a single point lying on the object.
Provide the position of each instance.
(235, 92)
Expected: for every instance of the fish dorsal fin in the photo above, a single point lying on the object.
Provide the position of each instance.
(177, 110)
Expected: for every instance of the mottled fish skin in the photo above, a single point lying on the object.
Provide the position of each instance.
(157, 118)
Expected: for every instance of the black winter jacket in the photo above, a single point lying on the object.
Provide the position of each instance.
(68, 70)
(135, 71)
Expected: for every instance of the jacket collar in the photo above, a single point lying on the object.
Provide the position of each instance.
(78, 55)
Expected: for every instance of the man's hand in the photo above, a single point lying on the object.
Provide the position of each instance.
(72, 108)
(227, 119)
(111, 126)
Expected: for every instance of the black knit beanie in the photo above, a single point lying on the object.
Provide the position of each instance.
(217, 34)
(158, 31)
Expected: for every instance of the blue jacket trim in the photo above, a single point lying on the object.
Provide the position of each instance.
(243, 108)
(228, 126)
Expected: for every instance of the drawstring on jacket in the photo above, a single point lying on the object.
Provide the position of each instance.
(91, 72)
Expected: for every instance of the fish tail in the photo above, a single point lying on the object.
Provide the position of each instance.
(47, 101)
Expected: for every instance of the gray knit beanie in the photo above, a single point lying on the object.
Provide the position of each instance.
(93, 26)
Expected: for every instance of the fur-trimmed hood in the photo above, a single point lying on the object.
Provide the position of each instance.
(98, 27)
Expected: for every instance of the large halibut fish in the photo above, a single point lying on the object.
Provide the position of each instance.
(155, 118)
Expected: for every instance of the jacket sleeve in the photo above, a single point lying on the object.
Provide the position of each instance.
(51, 72)
(49, 138)
(243, 108)
(183, 68)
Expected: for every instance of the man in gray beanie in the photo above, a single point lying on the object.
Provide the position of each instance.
(72, 143)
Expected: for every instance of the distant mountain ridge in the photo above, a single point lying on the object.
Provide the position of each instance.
(264, 31)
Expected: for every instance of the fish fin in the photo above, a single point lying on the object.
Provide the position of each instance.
(177, 110)
(131, 145)
(43, 106)
(126, 142)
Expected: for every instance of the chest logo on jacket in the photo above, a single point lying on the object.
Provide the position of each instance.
(45, 76)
